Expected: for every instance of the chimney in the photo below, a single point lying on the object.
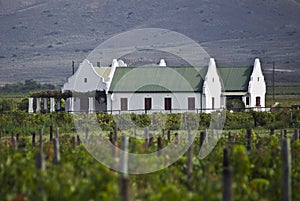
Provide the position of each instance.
(73, 67)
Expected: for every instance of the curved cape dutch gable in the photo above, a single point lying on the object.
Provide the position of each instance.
(86, 79)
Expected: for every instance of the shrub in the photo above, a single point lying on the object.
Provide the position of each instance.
(235, 105)
(6, 105)
(173, 121)
(238, 120)
(141, 120)
(204, 120)
(263, 119)
(106, 121)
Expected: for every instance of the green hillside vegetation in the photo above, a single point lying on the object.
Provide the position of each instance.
(23, 88)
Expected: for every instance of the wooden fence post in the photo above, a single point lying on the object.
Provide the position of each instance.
(17, 137)
(146, 136)
(249, 134)
(176, 140)
(51, 133)
(86, 135)
(150, 144)
(57, 135)
(296, 135)
(40, 161)
(33, 139)
(202, 138)
(73, 142)
(227, 178)
(78, 139)
(56, 157)
(159, 145)
(13, 140)
(190, 155)
(115, 135)
(286, 170)
(134, 131)
(272, 131)
(281, 136)
(111, 139)
(124, 168)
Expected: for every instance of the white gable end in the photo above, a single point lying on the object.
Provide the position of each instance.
(257, 86)
(85, 79)
(212, 88)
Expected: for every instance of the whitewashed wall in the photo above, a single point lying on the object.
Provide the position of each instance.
(257, 86)
(212, 88)
(76, 83)
(136, 101)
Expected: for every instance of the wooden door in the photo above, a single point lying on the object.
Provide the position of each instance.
(168, 103)
(124, 104)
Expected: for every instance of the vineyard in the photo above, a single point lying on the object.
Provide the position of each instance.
(43, 158)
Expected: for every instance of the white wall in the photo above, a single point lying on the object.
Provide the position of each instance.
(257, 86)
(76, 83)
(212, 88)
(136, 101)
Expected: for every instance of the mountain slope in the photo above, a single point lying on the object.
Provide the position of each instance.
(39, 39)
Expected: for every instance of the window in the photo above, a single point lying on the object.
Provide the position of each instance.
(247, 101)
(191, 103)
(124, 104)
(168, 103)
(148, 103)
(85, 80)
(257, 101)
(213, 103)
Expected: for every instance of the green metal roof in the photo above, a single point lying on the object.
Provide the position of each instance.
(157, 79)
(235, 78)
(176, 79)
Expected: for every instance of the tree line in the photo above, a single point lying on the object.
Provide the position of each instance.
(25, 87)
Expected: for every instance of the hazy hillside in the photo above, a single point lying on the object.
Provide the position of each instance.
(40, 38)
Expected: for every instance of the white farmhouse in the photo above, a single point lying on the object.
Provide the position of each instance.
(161, 88)
(88, 86)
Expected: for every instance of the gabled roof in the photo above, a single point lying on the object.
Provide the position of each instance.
(158, 79)
(176, 79)
(235, 78)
